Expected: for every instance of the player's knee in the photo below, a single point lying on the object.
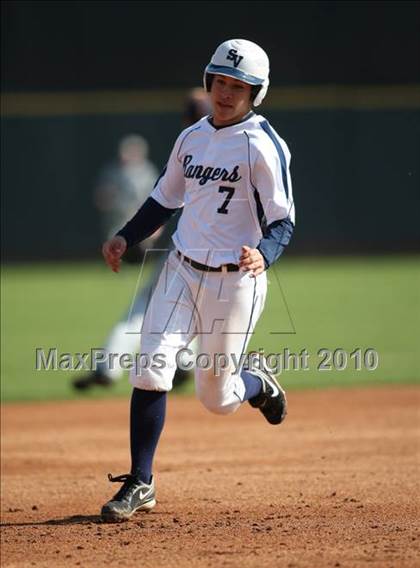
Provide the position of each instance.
(217, 406)
(216, 393)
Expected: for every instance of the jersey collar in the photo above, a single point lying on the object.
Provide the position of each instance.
(250, 114)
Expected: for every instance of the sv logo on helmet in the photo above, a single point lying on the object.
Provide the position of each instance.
(233, 56)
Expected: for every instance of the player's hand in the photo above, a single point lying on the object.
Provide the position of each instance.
(112, 250)
(252, 261)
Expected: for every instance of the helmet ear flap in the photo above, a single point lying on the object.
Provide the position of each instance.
(255, 89)
(208, 80)
(262, 91)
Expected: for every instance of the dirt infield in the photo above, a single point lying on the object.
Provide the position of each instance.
(336, 485)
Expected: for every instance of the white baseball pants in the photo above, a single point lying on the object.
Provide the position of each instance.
(221, 309)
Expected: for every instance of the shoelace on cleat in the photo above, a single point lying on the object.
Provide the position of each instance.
(120, 478)
(129, 484)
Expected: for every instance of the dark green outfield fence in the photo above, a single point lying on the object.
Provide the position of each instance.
(75, 75)
(356, 178)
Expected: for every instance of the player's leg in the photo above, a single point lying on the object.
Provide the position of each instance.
(231, 305)
(168, 326)
(227, 328)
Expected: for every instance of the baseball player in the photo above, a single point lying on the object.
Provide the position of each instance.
(229, 173)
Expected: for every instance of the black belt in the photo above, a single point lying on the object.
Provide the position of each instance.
(205, 268)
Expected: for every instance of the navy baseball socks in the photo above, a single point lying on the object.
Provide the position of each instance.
(267, 395)
(147, 417)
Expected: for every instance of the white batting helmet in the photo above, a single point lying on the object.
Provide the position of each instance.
(243, 60)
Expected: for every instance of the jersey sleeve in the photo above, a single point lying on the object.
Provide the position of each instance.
(273, 195)
(145, 222)
(272, 182)
(169, 188)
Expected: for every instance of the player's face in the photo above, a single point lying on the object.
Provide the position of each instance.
(230, 99)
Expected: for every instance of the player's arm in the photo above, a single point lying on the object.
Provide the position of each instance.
(145, 222)
(273, 191)
(276, 238)
(165, 199)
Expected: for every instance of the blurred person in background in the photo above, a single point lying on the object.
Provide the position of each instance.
(122, 188)
(123, 185)
(197, 105)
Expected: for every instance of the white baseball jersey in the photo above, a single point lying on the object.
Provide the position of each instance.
(230, 182)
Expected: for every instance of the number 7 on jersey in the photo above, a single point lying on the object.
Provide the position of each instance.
(230, 191)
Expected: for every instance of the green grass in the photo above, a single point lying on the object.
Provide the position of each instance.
(348, 303)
